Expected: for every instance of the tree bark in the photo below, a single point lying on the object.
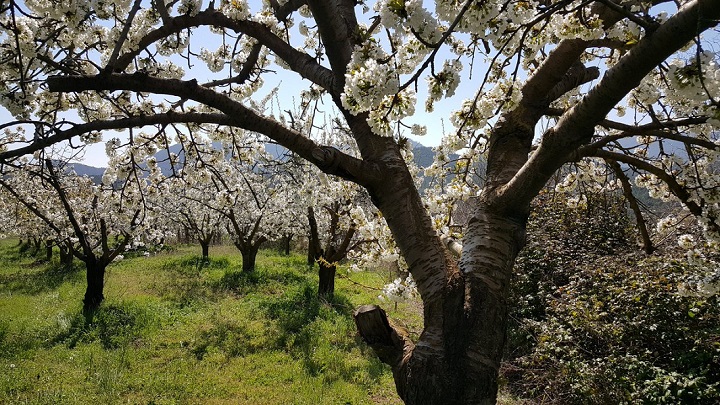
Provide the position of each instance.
(314, 249)
(205, 250)
(457, 358)
(48, 250)
(66, 256)
(95, 284)
(287, 239)
(249, 254)
(326, 287)
(37, 245)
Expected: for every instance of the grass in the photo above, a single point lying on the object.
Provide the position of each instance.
(174, 330)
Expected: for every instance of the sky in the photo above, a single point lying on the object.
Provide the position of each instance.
(289, 86)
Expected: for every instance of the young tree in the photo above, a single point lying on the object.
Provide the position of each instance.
(333, 232)
(544, 59)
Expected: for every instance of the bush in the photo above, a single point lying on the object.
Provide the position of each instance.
(622, 333)
(559, 240)
(597, 323)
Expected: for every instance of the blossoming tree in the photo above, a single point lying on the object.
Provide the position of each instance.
(539, 102)
(187, 206)
(95, 223)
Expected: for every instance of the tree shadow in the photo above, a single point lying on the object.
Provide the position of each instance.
(243, 282)
(321, 333)
(113, 326)
(48, 277)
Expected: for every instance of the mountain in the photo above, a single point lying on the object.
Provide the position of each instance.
(85, 170)
(424, 157)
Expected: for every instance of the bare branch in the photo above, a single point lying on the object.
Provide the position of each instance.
(123, 35)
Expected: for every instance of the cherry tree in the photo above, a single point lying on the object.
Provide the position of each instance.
(188, 206)
(18, 220)
(562, 82)
(332, 230)
(93, 223)
(237, 179)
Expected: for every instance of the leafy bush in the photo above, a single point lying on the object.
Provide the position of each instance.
(598, 323)
(559, 240)
(622, 333)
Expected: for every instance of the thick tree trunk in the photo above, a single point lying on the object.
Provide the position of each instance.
(457, 358)
(205, 250)
(95, 284)
(326, 288)
(249, 254)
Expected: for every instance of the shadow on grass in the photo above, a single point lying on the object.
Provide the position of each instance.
(113, 326)
(48, 277)
(244, 282)
(196, 263)
(321, 333)
(183, 280)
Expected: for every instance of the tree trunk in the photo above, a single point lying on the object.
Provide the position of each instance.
(95, 284)
(457, 358)
(66, 257)
(37, 244)
(205, 250)
(48, 250)
(314, 249)
(286, 244)
(326, 288)
(249, 254)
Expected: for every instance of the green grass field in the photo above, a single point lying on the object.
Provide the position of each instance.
(173, 332)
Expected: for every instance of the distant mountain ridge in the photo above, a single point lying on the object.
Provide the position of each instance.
(423, 156)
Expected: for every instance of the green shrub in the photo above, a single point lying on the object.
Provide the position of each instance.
(598, 322)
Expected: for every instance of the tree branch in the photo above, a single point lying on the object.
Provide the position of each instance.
(576, 126)
(389, 343)
(330, 160)
(299, 62)
(634, 206)
(158, 119)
